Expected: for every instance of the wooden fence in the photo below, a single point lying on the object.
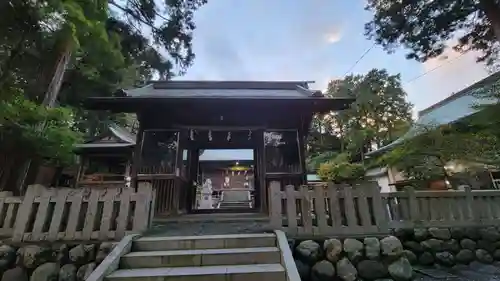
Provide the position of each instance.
(361, 209)
(50, 214)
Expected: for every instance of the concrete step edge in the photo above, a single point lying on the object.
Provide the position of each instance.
(206, 237)
(202, 252)
(193, 271)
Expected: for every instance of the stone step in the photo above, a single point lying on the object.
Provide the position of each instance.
(204, 242)
(205, 257)
(252, 272)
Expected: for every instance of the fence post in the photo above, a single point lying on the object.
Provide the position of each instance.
(469, 204)
(275, 204)
(379, 209)
(413, 205)
(23, 215)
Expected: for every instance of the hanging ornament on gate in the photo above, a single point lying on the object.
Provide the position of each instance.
(210, 135)
(228, 136)
(249, 134)
(191, 135)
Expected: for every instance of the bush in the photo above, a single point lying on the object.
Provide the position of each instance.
(340, 170)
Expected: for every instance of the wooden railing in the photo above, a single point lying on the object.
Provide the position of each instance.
(335, 210)
(361, 209)
(410, 209)
(76, 214)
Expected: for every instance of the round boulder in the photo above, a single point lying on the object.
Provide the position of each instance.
(308, 251)
(15, 274)
(401, 270)
(77, 255)
(465, 256)
(371, 270)
(353, 249)
(483, 256)
(67, 273)
(45, 272)
(472, 233)
(457, 233)
(490, 234)
(468, 244)
(106, 248)
(440, 233)
(413, 246)
(391, 247)
(433, 245)
(84, 271)
(445, 258)
(333, 248)
(323, 271)
(372, 247)
(426, 258)
(412, 258)
(496, 254)
(32, 256)
(346, 271)
(451, 246)
(420, 234)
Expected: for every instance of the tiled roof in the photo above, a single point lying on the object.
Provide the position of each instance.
(225, 89)
(449, 110)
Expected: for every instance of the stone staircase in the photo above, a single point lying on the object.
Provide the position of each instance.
(235, 257)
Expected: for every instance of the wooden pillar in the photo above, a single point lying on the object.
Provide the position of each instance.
(137, 155)
(260, 170)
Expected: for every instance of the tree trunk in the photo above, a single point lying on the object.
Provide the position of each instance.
(492, 11)
(50, 98)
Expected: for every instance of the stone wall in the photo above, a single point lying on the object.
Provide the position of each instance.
(351, 259)
(450, 246)
(51, 263)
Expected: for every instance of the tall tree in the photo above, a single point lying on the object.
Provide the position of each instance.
(377, 117)
(425, 27)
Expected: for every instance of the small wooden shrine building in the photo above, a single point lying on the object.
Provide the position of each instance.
(180, 119)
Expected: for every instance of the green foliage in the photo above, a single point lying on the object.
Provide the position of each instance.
(426, 155)
(21, 122)
(379, 115)
(340, 170)
(425, 27)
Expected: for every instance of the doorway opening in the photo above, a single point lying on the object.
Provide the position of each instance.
(225, 180)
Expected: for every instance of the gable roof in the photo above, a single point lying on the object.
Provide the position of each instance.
(116, 136)
(222, 89)
(449, 110)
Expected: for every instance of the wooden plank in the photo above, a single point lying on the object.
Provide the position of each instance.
(320, 208)
(112, 261)
(363, 207)
(352, 221)
(334, 205)
(76, 198)
(41, 215)
(275, 207)
(143, 198)
(379, 209)
(107, 213)
(122, 219)
(24, 212)
(8, 223)
(291, 209)
(88, 226)
(469, 204)
(306, 209)
(62, 195)
(413, 205)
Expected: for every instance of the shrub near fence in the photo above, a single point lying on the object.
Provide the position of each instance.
(318, 210)
(50, 214)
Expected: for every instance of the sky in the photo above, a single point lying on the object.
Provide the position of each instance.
(312, 40)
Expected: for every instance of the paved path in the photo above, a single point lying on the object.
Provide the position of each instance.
(473, 272)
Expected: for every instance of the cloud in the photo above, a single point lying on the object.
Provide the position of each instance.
(333, 36)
